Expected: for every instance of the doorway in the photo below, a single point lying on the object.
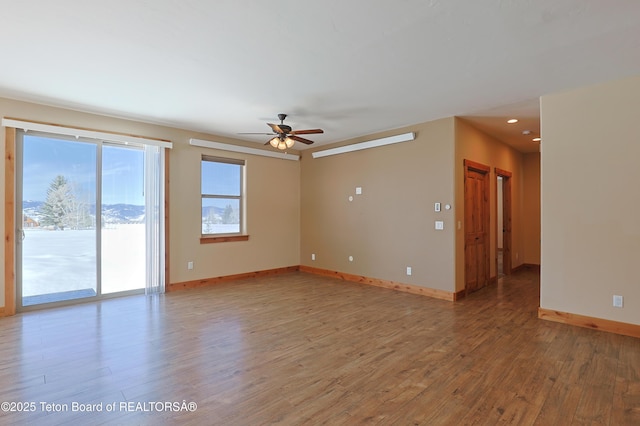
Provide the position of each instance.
(80, 206)
(503, 226)
(476, 225)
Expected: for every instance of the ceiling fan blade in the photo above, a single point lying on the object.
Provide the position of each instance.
(299, 139)
(250, 133)
(306, 132)
(275, 128)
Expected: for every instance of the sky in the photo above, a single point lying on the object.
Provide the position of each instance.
(220, 178)
(45, 158)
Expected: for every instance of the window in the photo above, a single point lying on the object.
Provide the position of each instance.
(222, 196)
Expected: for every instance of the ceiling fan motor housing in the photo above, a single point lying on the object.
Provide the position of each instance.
(283, 127)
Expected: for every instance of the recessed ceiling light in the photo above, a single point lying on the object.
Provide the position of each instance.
(536, 139)
(512, 120)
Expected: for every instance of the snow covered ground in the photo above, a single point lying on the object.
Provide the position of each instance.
(220, 228)
(60, 261)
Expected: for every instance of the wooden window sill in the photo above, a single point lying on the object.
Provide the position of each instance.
(223, 239)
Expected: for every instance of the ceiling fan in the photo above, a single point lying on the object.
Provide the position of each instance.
(284, 136)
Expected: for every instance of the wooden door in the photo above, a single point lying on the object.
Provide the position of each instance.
(476, 225)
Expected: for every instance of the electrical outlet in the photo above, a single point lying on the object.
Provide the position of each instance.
(189, 265)
(408, 270)
(617, 301)
(313, 256)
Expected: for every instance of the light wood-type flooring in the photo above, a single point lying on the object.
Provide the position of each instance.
(297, 348)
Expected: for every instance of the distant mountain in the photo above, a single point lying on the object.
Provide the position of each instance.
(122, 213)
(111, 213)
(28, 204)
(114, 213)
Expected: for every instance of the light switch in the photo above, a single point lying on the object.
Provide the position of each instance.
(437, 207)
(439, 225)
(617, 301)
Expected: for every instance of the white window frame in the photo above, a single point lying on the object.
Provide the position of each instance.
(240, 198)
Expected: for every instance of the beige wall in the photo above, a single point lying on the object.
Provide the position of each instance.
(391, 225)
(531, 209)
(273, 217)
(472, 144)
(590, 200)
(273, 198)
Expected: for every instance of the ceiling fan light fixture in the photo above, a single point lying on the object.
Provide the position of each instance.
(288, 142)
(281, 142)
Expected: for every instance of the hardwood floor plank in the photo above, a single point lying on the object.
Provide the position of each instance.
(627, 386)
(298, 348)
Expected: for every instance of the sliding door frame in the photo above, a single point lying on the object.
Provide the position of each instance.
(10, 216)
(10, 222)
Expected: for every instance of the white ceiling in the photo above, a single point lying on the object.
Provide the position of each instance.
(351, 67)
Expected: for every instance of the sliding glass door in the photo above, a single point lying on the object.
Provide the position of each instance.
(57, 190)
(83, 228)
(123, 219)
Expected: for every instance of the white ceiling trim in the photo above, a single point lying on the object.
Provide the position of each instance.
(405, 137)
